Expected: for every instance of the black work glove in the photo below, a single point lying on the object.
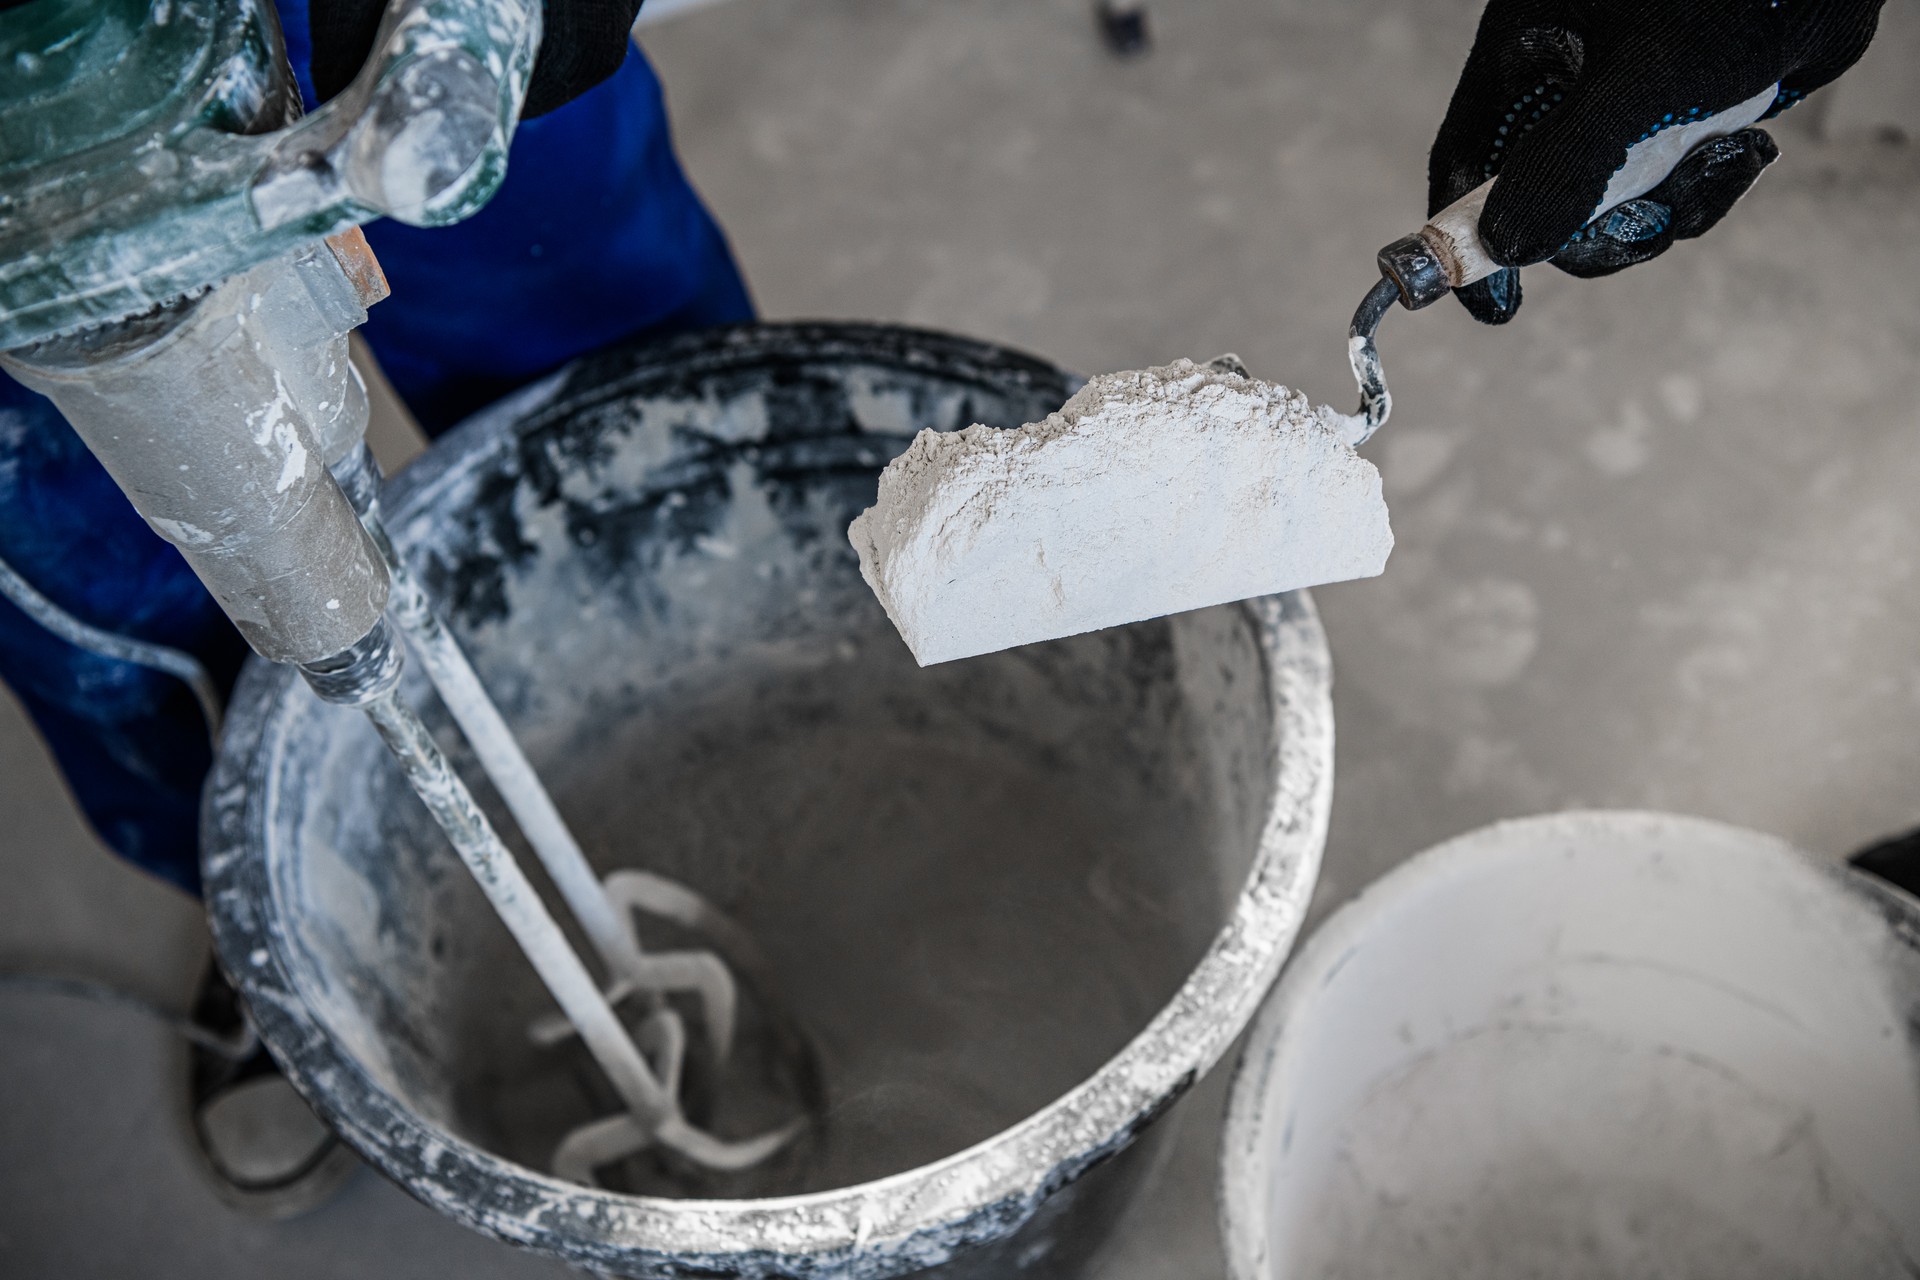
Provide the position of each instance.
(1555, 91)
(584, 42)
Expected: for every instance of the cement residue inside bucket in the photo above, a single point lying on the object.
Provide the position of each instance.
(1588, 1045)
(971, 885)
(1591, 1159)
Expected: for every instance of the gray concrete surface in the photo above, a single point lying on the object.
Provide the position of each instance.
(1658, 538)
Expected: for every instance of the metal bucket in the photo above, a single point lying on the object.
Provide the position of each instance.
(1584, 1046)
(1017, 904)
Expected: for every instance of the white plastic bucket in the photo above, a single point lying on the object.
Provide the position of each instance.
(1594, 1044)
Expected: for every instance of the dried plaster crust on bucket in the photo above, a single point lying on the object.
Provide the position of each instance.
(1150, 492)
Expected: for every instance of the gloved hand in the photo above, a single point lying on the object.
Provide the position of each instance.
(1555, 91)
(584, 42)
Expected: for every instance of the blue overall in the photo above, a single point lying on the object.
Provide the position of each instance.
(594, 236)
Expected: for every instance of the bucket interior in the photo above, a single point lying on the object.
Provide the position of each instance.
(972, 884)
(1597, 1046)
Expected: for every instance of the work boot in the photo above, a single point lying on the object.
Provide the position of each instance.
(264, 1150)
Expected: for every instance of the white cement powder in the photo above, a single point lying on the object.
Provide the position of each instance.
(1150, 492)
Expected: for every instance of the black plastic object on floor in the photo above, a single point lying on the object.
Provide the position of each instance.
(1895, 860)
(1123, 26)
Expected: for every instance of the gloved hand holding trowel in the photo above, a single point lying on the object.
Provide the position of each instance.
(1558, 97)
(1587, 133)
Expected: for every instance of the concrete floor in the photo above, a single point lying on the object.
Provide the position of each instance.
(1657, 539)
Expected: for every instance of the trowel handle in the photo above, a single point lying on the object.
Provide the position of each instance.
(1448, 252)
(1451, 239)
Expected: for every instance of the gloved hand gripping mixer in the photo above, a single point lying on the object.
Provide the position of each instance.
(180, 266)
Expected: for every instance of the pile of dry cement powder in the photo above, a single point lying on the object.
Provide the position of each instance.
(1150, 492)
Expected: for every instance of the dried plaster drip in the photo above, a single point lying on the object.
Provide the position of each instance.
(1150, 492)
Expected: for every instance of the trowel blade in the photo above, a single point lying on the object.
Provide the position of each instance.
(1149, 493)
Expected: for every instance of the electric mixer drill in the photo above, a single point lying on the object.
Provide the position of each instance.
(180, 267)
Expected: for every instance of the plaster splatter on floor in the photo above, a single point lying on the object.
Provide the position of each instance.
(1150, 492)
